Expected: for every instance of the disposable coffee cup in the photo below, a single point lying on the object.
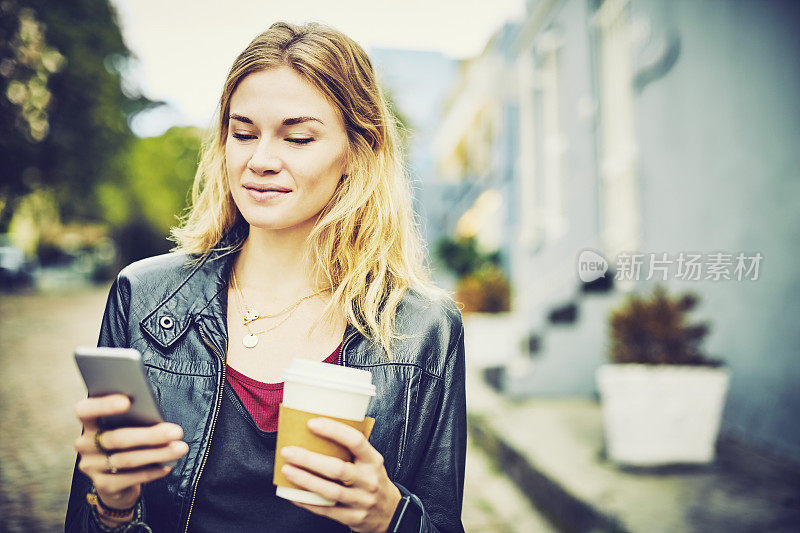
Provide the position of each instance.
(313, 389)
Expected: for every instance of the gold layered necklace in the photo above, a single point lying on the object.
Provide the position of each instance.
(249, 314)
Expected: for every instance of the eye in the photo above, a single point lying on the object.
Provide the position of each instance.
(242, 136)
(300, 140)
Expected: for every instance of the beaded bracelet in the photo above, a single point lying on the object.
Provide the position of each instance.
(93, 498)
(136, 521)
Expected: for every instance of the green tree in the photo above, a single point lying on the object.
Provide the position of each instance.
(462, 257)
(64, 113)
(151, 192)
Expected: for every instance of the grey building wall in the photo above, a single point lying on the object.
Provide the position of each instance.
(549, 266)
(718, 134)
(568, 354)
(719, 138)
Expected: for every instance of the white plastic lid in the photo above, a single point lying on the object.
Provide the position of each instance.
(330, 376)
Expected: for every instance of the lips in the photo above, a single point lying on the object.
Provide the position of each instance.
(266, 192)
(265, 187)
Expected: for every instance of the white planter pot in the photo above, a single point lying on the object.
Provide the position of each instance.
(661, 414)
(492, 339)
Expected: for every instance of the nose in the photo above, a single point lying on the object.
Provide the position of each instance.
(264, 160)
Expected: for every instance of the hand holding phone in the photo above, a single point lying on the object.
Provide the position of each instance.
(142, 447)
(119, 371)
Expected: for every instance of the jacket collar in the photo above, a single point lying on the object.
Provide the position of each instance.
(198, 288)
(200, 295)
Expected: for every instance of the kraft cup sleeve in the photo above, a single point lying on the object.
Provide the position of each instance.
(293, 431)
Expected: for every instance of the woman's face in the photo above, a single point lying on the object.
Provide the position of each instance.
(283, 134)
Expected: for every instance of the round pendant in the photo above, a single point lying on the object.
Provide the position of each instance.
(250, 340)
(250, 316)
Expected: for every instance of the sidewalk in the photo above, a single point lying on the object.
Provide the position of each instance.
(552, 449)
(493, 503)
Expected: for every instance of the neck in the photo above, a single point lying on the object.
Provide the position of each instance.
(270, 263)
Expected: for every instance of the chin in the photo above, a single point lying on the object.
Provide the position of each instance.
(263, 222)
(273, 217)
(272, 221)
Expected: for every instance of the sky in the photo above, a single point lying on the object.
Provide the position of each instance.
(184, 48)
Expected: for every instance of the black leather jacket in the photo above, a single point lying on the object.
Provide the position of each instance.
(175, 316)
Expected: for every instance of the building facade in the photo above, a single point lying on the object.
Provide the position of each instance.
(653, 129)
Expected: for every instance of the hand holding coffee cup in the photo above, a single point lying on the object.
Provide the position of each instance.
(368, 502)
(325, 405)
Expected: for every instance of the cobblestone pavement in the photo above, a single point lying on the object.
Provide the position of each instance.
(40, 385)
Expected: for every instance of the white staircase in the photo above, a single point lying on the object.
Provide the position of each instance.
(569, 354)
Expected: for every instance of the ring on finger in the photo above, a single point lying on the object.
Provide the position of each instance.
(99, 445)
(111, 469)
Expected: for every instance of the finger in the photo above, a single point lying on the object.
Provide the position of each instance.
(86, 444)
(325, 488)
(133, 437)
(349, 437)
(330, 467)
(134, 459)
(345, 515)
(89, 409)
(114, 483)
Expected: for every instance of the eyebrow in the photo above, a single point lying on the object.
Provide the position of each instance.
(286, 122)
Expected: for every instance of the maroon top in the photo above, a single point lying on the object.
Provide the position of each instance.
(262, 399)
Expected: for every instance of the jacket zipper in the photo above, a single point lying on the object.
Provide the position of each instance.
(213, 423)
(216, 414)
(344, 347)
(344, 363)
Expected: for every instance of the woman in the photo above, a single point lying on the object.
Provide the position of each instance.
(300, 243)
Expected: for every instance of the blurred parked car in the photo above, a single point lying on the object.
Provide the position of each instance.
(15, 271)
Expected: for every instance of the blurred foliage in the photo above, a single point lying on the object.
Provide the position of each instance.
(144, 203)
(485, 290)
(482, 285)
(462, 257)
(64, 108)
(156, 182)
(160, 174)
(35, 219)
(655, 330)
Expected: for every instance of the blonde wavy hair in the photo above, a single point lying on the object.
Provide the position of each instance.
(365, 241)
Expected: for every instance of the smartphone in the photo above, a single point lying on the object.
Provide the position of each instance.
(120, 371)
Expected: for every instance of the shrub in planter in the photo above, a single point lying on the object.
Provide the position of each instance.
(486, 290)
(461, 255)
(654, 331)
(662, 398)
